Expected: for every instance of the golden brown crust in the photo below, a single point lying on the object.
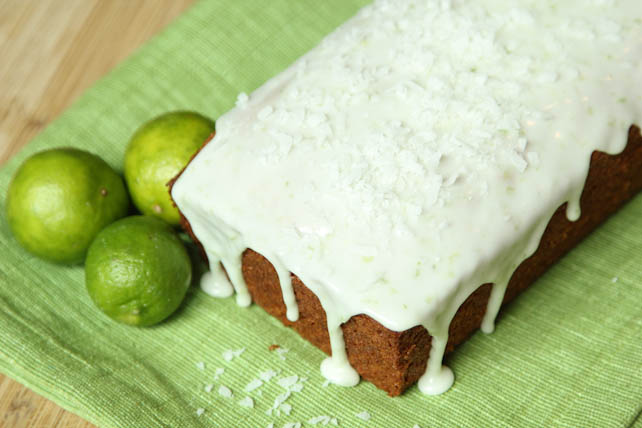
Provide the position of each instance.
(393, 361)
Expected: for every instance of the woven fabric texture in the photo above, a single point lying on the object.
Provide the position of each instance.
(567, 353)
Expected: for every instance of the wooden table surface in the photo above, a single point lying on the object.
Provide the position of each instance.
(51, 51)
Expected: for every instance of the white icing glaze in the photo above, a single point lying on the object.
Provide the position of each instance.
(438, 378)
(415, 154)
(214, 282)
(336, 368)
(285, 280)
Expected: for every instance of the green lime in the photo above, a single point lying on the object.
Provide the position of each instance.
(156, 153)
(59, 199)
(138, 270)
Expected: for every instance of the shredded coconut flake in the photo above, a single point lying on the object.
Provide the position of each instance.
(247, 402)
(297, 387)
(267, 375)
(614, 279)
(286, 408)
(254, 383)
(280, 399)
(230, 354)
(200, 411)
(281, 352)
(320, 420)
(224, 391)
(219, 371)
(241, 100)
(364, 415)
(200, 365)
(209, 387)
(287, 382)
(265, 113)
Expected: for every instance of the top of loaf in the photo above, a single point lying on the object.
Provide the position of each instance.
(419, 150)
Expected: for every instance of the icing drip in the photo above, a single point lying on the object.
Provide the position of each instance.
(418, 152)
(438, 378)
(285, 280)
(215, 282)
(573, 210)
(232, 265)
(492, 307)
(337, 368)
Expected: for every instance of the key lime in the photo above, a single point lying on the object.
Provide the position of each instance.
(137, 270)
(59, 199)
(157, 151)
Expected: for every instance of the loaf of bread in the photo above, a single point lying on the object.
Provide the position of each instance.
(407, 168)
(394, 361)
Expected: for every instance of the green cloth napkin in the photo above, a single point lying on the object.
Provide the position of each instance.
(568, 353)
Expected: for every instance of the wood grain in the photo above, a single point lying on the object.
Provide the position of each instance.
(51, 51)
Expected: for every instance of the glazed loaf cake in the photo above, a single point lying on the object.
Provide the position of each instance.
(416, 154)
(394, 361)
